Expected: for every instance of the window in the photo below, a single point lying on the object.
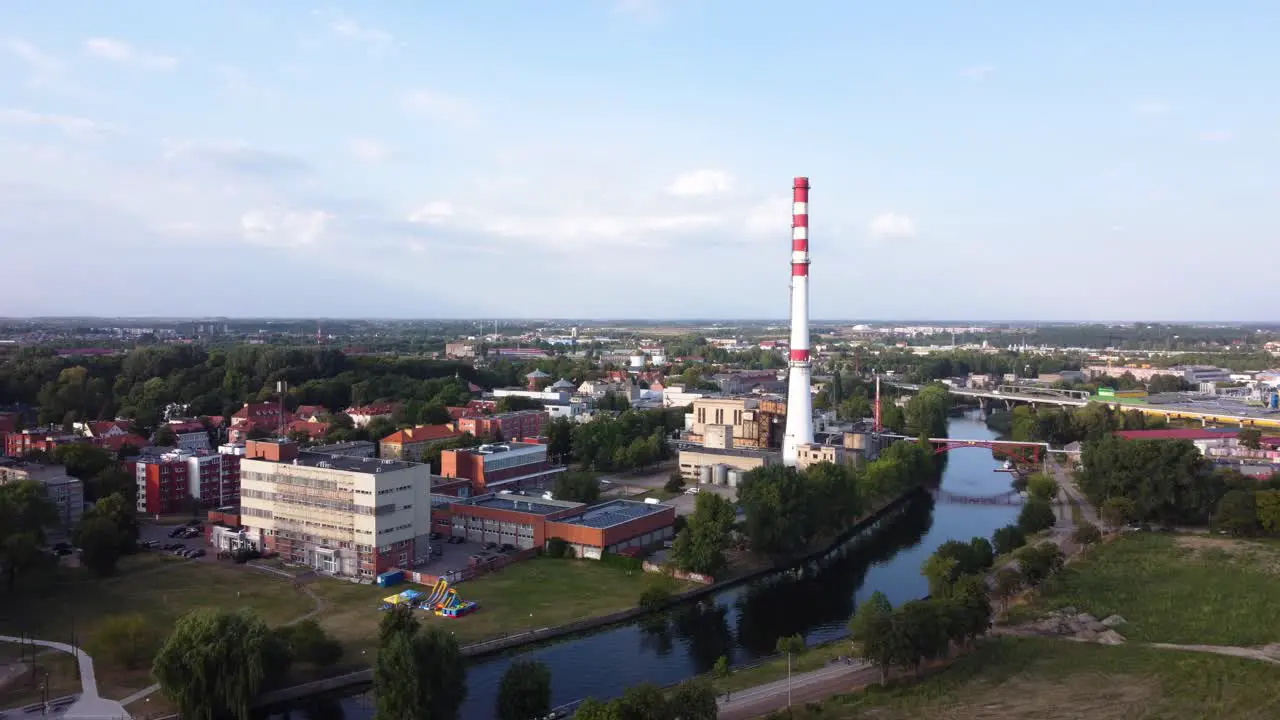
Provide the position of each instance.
(719, 416)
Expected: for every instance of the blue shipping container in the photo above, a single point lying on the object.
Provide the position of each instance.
(391, 577)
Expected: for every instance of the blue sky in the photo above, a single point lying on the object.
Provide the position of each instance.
(597, 158)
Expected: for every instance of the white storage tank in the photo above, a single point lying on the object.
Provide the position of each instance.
(704, 475)
(722, 474)
(735, 477)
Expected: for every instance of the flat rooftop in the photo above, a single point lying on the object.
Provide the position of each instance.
(732, 452)
(352, 464)
(520, 503)
(614, 512)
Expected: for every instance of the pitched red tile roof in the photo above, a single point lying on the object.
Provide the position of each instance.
(375, 409)
(115, 442)
(314, 430)
(422, 433)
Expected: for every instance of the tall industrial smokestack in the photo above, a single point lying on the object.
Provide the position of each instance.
(799, 429)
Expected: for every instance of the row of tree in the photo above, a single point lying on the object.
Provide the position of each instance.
(786, 509)
(1251, 510)
(633, 439)
(1061, 426)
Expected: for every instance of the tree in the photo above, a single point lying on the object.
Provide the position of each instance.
(1008, 538)
(1087, 534)
(215, 662)
(940, 570)
(122, 514)
(1042, 487)
(559, 434)
(793, 645)
(165, 437)
(1237, 513)
(525, 691)
(1008, 582)
(419, 674)
(593, 709)
(700, 546)
(1250, 437)
(99, 542)
(580, 487)
(871, 611)
(309, 643)
(1036, 515)
(398, 620)
(1039, 562)
(25, 511)
(694, 699)
(127, 642)
(720, 671)
(675, 483)
(1117, 511)
(1268, 504)
(645, 701)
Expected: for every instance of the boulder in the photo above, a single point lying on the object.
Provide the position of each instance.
(1110, 637)
(1086, 635)
(1086, 618)
(1098, 627)
(1113, 621)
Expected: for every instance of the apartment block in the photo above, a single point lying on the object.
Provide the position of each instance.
(348, 516)
(515, 425)
(411, 443)
(66, 492)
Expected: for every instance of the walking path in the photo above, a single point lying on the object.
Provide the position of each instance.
(89, 706)
(805, 687)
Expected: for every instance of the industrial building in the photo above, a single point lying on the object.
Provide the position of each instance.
(696, 462)
(348, 516)
(589, 531)
(499, 466)
(614, 526)
(736, 422)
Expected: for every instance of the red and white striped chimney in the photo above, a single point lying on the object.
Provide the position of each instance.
(799, 427)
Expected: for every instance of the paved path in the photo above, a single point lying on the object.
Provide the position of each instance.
(805, 687)
(89, 706)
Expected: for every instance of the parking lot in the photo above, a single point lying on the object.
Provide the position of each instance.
(684, 502)
(160, 534)
(453, 557)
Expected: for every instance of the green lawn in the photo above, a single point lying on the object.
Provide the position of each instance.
(1046, 679)
(1177, 588)
(529, 595)
(159, 586)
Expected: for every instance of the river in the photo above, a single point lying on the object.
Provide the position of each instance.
(744, 622)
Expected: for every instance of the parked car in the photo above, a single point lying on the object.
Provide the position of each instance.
(507, 547)
(198, 552)
(491, 546)
(177, 531)
(434, 536)
(194, 523)
(457, 540)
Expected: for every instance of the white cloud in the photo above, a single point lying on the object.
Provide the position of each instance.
(348, 28)
(69, 124)
(978, 72)
(121, 52)
(280, 226)
(770, 217)
(443, 108)
(701, 182)
(44, 68)
(892, 226)
(433, 213)
(369, 150)
(1150, 107)
(1216, 136)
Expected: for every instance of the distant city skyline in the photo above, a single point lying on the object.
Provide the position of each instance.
(633, 159)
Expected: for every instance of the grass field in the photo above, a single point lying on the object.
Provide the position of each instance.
(159, 586)
(1176, 588)
(529, 595)
(1010, 678)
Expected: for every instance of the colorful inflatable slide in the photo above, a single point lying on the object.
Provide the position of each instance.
(444, 601)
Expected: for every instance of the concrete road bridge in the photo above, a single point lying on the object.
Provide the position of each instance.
(1012, 497)
(1011, 394)
(1026, 453)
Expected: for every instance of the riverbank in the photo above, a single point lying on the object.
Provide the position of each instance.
(482, 649)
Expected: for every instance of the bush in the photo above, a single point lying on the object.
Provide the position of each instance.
(1087, 534)
(623, 562)
(1008, 538)
(557, 548)
(675, 483)
(654, 598)
(309, 643)
(1036, 515)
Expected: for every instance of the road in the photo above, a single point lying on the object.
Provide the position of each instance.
(805, 687)
(89, 706)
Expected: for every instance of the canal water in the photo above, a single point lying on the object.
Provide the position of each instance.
(743, 623)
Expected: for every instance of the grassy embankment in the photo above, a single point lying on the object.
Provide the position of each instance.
(70, 607)
(531, 595)
(1192, 589)
(1008, 678)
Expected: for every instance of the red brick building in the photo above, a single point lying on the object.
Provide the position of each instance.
(515, 425)
(261, 417)
(18, 444)
(526, 522)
